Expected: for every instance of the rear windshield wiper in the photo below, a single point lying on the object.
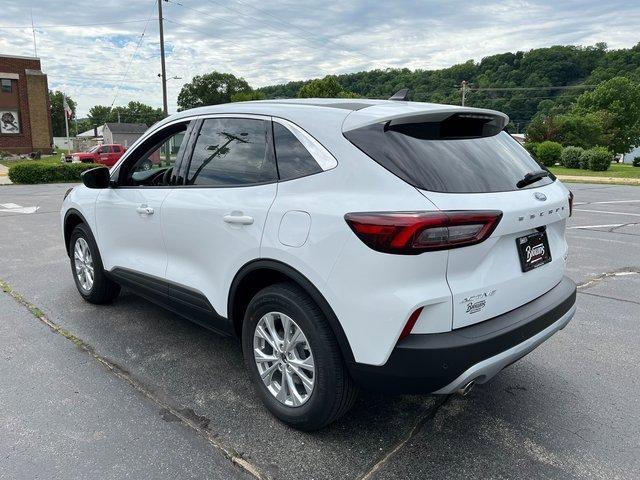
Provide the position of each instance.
(532, 177)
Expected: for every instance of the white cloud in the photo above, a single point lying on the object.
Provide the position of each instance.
(286, 40)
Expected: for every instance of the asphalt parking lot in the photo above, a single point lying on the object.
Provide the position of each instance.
(132, 391)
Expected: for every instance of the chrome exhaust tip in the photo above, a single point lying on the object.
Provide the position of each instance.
(466, 389)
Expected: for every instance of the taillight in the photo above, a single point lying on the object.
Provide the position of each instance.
(570, 203)
(411, 233)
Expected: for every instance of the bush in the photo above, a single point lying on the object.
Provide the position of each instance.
(549, 153)
(636, 162)
(597, 159)
(531, 147)
(37, 172)
(571, 157)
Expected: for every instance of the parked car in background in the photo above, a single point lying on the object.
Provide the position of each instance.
(106, 155)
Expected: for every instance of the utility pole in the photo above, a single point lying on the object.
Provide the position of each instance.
(65, 105)
(164, 71)
(465, 86)
(33, 30)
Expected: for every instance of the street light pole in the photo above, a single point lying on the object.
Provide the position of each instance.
(164, 71)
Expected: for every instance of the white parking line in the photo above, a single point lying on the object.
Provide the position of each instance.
(15, 208)
(610, 213)
(611, 201)
(612, 225)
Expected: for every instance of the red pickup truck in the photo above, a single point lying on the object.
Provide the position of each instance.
(106, 155)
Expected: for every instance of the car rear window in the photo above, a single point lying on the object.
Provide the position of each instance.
(436, 157)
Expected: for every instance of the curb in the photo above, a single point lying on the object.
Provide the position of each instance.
(603, 180)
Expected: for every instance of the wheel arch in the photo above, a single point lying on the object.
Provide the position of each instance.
(258, 274)
(72, 219)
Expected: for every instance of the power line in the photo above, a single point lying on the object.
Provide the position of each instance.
(320, 38)
(126, 71)
(244, 27)
(206, 14)
(560, 87)
(213, 36)
(72, 25)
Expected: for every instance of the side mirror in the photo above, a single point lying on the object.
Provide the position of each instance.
(96, 178)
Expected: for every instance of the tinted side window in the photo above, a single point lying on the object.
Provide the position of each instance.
(116, 149)
(231, 152)
(293, 159)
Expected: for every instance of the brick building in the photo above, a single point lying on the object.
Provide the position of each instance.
(25, 120)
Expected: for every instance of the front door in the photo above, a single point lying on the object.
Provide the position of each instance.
(129, 216)
(213, 225)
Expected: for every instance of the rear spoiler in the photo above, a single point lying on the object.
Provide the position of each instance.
(452, 122)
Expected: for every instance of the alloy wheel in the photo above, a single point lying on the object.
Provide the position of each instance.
(83, 262)
(284, 359)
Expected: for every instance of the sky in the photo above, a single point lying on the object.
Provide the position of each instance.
(108, 52)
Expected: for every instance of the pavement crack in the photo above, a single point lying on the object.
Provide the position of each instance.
(168, 412)
(615, 273)
(610, 298)
(417, 426)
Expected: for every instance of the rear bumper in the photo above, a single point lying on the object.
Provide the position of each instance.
(445, 362)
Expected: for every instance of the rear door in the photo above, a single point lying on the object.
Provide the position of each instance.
(213, 225)
(463, 161)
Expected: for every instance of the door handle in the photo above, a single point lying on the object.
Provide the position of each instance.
(144, 210)
(238, 219)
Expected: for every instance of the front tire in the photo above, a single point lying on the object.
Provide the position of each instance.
(86, 265)
(293, 358)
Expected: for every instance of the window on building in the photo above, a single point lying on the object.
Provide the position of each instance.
(6, 85)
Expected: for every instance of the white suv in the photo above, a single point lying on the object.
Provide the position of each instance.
(392, 245)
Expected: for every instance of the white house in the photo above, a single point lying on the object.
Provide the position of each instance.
(628, 157)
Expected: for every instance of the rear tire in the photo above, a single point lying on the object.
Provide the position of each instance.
(332, 393)
(86, 266)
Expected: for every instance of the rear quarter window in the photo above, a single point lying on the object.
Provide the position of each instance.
(483, 164)
(294, 160)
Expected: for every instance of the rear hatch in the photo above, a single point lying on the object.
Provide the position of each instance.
(462, 160)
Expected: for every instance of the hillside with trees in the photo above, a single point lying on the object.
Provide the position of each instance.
(521, 84)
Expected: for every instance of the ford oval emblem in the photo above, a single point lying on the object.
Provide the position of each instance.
(540, 196)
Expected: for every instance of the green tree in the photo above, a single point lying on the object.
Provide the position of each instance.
(136, 112)
(99, 115)
(617, 101)
(584, 131)
(81, 125)
(57, 113)
(597, 159)
(327, 87)
(548, 153)
(553, 66)
(210, 89)
(133, 112)
(248, 96)
(571, 157)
